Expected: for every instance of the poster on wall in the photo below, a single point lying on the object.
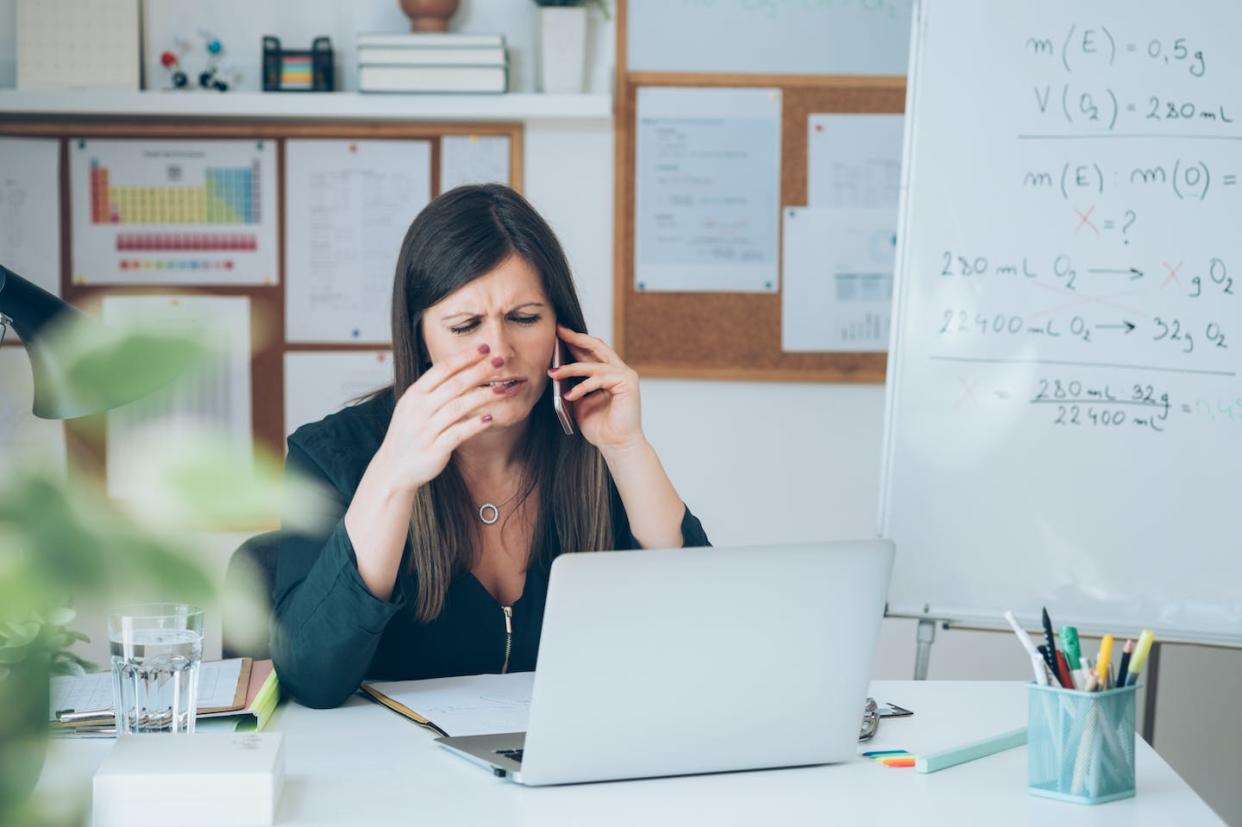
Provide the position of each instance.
(473, 159)
(321, 382)
(347, 207)
(212, 400)
(173, 212)
(707, 190)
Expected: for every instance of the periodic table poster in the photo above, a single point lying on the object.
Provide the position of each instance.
(173, 212)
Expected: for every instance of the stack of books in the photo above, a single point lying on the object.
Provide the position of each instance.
(432, 62)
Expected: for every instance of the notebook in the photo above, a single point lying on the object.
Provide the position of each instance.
(470, 705)
(240, 690)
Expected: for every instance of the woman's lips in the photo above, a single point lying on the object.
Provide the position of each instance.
(507, 386)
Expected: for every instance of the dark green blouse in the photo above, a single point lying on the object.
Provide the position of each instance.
(330, 633)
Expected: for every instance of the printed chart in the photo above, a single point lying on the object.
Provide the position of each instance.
(180, 212)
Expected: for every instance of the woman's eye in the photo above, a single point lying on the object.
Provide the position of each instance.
(465, 328)
(525, 319)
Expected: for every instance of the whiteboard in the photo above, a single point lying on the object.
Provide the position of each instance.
(1064, 409)
(832, 37)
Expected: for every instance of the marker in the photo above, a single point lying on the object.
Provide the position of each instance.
(1051, 642)
(1073, 652)
(1037, 662)
(1063, 671)
(1140, 656)
(1104, 662)
(969, 752)
(1123, 668)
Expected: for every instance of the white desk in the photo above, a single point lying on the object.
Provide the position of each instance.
(361, 764)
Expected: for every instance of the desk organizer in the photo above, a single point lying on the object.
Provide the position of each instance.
(1081, 744)
(298, 70)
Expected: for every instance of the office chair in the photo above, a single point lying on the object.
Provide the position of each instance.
(249, 577)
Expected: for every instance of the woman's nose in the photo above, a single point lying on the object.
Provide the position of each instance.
(498, 338)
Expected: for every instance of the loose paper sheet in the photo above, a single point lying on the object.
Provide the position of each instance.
(837, 283)
(854, 161)
(217, 687)
(319, 383)
(216, 396)
(348, 205)
(25, 440)
(707, 189)
(473, 705)
(473, 159)
(173, 212)
(30, 211)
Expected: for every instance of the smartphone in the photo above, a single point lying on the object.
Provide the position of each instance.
(564, 410)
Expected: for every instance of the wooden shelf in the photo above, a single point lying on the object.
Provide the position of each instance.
(327, 105)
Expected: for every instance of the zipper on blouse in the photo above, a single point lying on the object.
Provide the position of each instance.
(508, 610)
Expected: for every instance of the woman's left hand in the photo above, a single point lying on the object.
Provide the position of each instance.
(605, 403)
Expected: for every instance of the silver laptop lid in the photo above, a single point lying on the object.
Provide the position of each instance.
(658, 663)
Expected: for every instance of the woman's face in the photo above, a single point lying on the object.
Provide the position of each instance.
(507, 310)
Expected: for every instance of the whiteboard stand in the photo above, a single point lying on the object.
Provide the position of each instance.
(925, 636)
(1149, 693)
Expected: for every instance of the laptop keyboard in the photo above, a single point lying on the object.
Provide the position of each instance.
(512, 754)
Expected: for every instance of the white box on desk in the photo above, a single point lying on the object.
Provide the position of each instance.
(230, 779)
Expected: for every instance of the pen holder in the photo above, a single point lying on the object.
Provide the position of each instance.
(1081, 744)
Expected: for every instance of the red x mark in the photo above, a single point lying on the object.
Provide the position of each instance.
(1172, 273)
(1086, 220)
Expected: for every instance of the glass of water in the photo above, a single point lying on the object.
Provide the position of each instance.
(156, 651)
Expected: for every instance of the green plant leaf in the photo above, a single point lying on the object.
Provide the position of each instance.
(12, 654)
(62, 616)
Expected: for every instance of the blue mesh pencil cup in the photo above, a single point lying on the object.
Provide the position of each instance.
(1080, 745)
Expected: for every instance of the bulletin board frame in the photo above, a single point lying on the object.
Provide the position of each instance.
(85, 437)
(728, 336)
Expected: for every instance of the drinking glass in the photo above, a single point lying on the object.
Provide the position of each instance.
(156, 651)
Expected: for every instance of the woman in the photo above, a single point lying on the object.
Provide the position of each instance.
(457, 485)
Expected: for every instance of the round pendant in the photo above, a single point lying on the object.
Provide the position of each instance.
(489, 513)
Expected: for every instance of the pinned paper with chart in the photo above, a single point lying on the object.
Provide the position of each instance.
(30, 210)
(214, 399)
(473, 159)
(837, 283)
(348, 205)
(318, 383)
(173, 212)
(854, 161)
(707, 190)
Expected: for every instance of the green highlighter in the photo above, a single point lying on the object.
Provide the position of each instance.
(1069, 644)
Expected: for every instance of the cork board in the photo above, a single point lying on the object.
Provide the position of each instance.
(729, 335)
(85, 436)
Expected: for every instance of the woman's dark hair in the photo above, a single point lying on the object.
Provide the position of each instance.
(460, 236)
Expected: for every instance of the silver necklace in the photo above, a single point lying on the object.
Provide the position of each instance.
(490, 513)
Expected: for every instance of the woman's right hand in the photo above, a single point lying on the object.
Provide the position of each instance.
(435, 415)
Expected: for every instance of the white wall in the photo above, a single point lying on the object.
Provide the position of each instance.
(758, 462)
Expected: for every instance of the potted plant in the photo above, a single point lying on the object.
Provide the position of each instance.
(562, 43)
(63, 542)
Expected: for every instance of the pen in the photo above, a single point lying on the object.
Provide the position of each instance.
(1050, 654)
(1104, 662)
(1073, 652)
(1123, 667)
(66, 716)
(1037, 662)
(1140, 656)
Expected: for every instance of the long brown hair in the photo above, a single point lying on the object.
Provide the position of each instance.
(458, 237)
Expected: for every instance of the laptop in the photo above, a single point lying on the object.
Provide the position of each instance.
(659, 663)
